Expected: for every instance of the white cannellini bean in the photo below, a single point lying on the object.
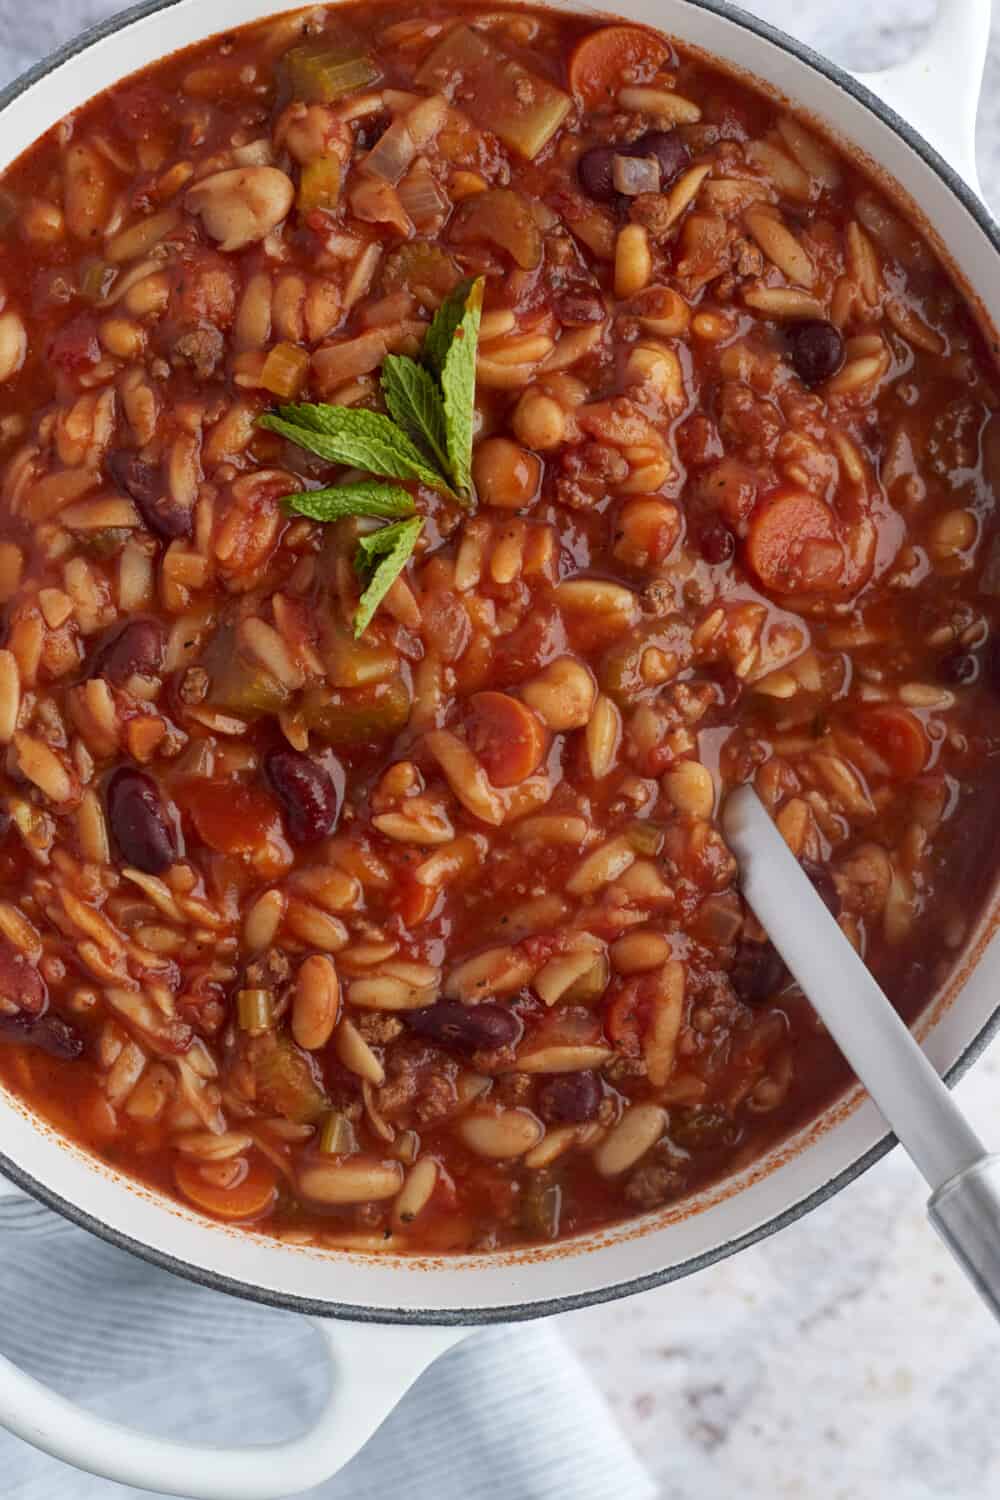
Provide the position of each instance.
(501, 1136)
(638, 1130)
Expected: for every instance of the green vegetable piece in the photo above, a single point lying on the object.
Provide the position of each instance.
(336, 1137)
(288, 1082)
(353, 664)
(458, 384)
(319, 184)
(345, 718)
(520, 107)
(361, 499)
(239, 686)
(394, 545)
(255, 1010)
(324, 70)
(415, 403)
(358, 438)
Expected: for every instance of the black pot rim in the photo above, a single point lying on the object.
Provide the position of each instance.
(519, 1312)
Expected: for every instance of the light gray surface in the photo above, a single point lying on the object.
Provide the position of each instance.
(845, 1359)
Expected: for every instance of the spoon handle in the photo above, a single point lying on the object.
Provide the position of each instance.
(854, 1009)
(965, 1202)
(966, 1214)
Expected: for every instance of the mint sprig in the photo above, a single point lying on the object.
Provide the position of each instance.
(426, 438)
(366, 498)
(359, 438)
(413, 397)
(386, 551)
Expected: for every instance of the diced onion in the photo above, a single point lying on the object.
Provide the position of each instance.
(391, 155)
(424, 201)
(633, 175)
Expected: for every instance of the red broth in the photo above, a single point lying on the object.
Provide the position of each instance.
(427, 938)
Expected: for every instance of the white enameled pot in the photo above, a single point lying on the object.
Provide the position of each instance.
(383, 1319)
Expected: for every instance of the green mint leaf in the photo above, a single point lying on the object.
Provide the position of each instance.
(444, 324)
(356, 437)
(361, 499)
(393, 545)
(458, 385)
(414, 401)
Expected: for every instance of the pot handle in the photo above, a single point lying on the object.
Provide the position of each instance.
(938, 90)
(372, 1367)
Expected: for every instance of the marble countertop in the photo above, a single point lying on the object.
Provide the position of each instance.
(845, 1358)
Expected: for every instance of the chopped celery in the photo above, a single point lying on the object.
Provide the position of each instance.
(287, 1080)
(645, 838)
(326, 69)
(239, 686)
(355, 718)
(284, 370)
(255, 1011)
(95, 279)
(350, 663)
(424, 269)
(319, 184)
(540, 1207)
(336, 1137)
(590, 986)
(620, 671)
(523, 109)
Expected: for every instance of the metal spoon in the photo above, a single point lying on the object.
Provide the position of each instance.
(964, 1177)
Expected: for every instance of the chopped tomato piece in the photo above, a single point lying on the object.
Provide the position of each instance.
(611, 59)
(792, 544)
(232, 817)
(898, 736)
(506, 736)
(250, 1197)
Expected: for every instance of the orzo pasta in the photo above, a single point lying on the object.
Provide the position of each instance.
(360, 878)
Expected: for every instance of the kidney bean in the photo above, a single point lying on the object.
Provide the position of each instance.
(570, 1098)
(668, 148)
(467, 1028)
(139, 824)
(306, 792)
(816, 349)
(49, 1032)
(20, 981)
(758, 972)
(143, 483)
(137, 648)
(595, 170)
(716, 542)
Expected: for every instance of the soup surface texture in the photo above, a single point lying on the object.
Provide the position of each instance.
(439, 457)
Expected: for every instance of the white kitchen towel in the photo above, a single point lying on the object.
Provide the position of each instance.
(508, 1415)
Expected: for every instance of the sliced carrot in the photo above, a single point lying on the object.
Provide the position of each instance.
(506, 736)
(251, 1196)
(612, 59)
(792, 544)
(898, 736)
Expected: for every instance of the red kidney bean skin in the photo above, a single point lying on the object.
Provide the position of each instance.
(466, 1028)
(306, 792)
(570, 1098)
(139, 823)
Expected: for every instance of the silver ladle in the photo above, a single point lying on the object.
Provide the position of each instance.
(964, 1177)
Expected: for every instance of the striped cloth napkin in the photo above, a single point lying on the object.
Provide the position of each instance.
(509, 1415)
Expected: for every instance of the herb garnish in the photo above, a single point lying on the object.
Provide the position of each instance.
(426, 438)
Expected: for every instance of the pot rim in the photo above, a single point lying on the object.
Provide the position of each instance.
(523, 1311)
